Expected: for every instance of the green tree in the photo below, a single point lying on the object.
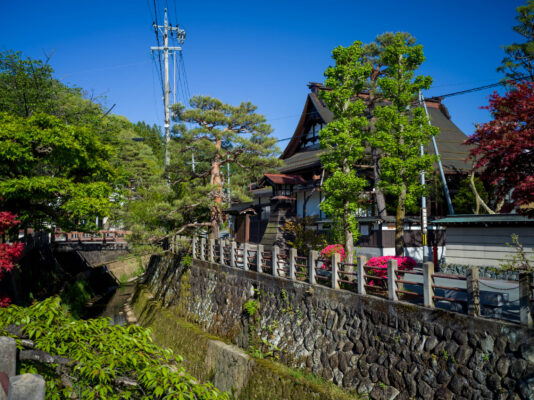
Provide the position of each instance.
(519, 59)
(52, 173)
(26, 86)
(373, 56)
(345, 140)
(218, 134)
(92, 359)
(464, 201)
(401, 128)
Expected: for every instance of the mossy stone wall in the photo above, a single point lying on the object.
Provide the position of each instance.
(383, 348)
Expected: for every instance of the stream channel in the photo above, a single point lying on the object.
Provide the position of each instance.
(111, 304)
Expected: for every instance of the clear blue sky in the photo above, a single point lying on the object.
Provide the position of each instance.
(264, 52)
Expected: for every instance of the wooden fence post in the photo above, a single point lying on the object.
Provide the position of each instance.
(245, 256)
(259, 258)
(361, 261)
(525, 296)
(222, 243)
(292, 260)
(312, 261)
(275, 253)
(428, 281)
(473, 292)
(194, 249)
(203, 249)
(336, 259)
(392, 280)
(211, 250)
(232, 253)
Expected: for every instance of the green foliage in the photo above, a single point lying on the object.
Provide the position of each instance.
(100, 354)
(464, 201)
(520, 260)
(75, 296)
(401, 128)
(519, 59)
(301, 238)
(345, 139)
(22, 96)
(251, 307)
(219, 134)
(52, 173)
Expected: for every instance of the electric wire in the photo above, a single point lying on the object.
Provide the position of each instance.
(476, 89)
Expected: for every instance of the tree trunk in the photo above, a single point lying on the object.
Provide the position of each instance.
(349, 238)
(399, 222)
(379, 195)
(215, 179)
(478, 199)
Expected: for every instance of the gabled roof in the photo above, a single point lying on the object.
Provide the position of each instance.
(449, 141)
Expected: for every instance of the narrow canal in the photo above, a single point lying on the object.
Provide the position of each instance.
(111, 305)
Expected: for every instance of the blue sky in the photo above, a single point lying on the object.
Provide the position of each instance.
(264, 52)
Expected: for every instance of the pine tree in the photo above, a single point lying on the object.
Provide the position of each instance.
(219, 134)
(519, 59)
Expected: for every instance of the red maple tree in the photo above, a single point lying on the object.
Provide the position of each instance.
(9, 252)
(504, 148)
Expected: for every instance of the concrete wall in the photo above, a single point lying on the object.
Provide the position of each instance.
(386, 349)
(485, 246)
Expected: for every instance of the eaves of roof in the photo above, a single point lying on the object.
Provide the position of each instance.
(484, 220)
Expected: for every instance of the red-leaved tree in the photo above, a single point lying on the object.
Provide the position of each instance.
(9, 252)
(504, 148)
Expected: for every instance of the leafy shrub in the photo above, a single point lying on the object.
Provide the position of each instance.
(101, 354)
(329, 251)
(9, 252)
(298, 236)
(380, 267)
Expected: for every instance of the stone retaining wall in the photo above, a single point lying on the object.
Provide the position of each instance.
(386, 349)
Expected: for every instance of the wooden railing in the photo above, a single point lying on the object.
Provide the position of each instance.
(421, 286)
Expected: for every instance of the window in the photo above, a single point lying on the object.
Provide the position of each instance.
(282, 190)
(311, 137)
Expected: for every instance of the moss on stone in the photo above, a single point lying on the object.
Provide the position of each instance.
(268, 379)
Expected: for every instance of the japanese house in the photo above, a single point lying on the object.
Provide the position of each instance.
(295, 191)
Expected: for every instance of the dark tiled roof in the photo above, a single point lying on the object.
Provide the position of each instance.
(449, 141)
(301, 160)
(238, 208)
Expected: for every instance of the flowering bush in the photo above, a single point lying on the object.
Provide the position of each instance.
(9, 252)
(380, 267)
(328, 251)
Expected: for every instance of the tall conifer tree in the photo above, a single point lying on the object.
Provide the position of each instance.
(345, 140)
(402, 128)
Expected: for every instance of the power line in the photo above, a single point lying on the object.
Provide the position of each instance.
(479, 88)
(476, 89)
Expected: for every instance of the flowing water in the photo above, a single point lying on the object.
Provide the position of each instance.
(111, 305)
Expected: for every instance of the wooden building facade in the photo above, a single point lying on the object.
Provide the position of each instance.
(296, 190)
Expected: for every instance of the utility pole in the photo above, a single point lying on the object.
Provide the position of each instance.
(180, 36)
(424, 222)
(443, 180)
